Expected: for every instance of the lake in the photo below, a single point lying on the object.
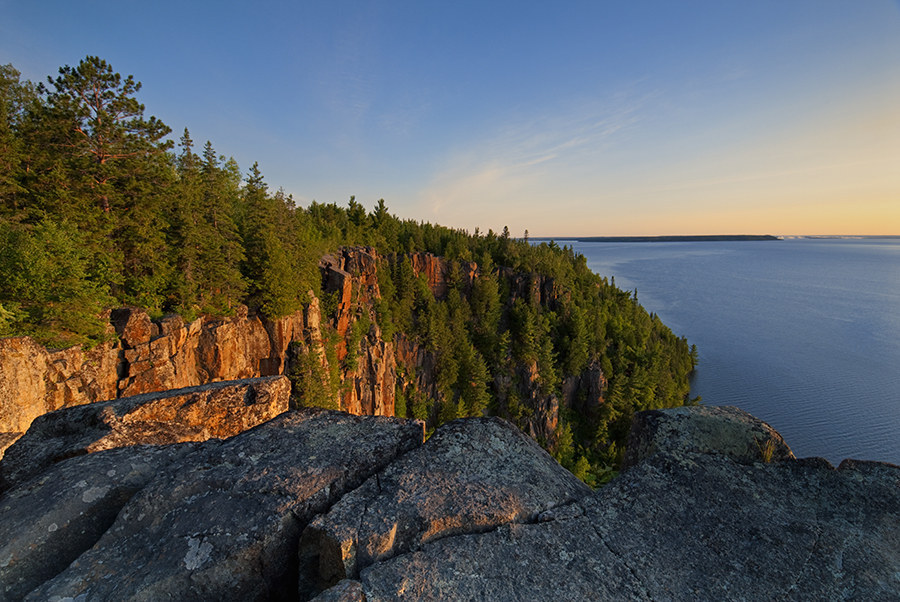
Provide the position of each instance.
(802, 333)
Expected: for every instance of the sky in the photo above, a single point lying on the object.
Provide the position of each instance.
(572, 118)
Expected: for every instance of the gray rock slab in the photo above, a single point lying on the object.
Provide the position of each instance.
(47, 522)
(216, 410)
(682, 524)
(225, 522)
(722, 430)
(472, 475)
(553, 561)
(705, 525)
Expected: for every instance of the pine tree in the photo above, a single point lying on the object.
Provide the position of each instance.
(385, 225)
(185, 232)
(14, 97)
(46, 291)
(486, 310)
(267, 267)
(222, 286)
(525, 332)
(115, 170)
(473, 382)
(105, 124)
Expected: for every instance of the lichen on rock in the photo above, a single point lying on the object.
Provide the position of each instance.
(216, 410)
(471, 476)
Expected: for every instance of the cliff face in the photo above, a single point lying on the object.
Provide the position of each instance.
(34, 381)
(711, 505)
(383, 367)
(147, 355)
(437, 272)
(368, 384)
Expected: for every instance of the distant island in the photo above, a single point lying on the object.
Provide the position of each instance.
(692, 238)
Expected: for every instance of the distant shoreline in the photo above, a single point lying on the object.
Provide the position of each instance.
(689, 238)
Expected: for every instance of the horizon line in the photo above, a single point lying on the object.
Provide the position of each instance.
(701, 236)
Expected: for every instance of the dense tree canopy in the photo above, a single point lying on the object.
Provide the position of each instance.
(97, 210)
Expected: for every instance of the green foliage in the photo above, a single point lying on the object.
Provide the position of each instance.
(582, 469)
(47, 291)
(310, 383)
(96, 211)
(15, 96)
(421, 405)
(204, 235)
(486, 309)
(400, 402)
(473, 380)
(564, 451)
(358, 330)
(7, 319)
(267, 263)
(112, 166)
(524, 329)
(448, 411)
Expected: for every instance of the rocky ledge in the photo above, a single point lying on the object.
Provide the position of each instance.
(711, 505)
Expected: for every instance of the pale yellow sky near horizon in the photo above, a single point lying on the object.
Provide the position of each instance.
(830, 169)
(638, 117)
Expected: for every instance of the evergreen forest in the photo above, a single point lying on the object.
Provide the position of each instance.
(102, 206)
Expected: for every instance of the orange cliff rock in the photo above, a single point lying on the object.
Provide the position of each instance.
(147, 355)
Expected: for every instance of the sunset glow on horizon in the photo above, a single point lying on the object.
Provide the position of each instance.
(587, 119)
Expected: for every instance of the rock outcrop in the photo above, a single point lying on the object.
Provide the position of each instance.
(217, 410)
(224, 522)
(472, 475)
(50, 521)
(211, 520)
(686, 521)
(705, 510)
(35, 380)
(147, 356)
(720, 430)
(697, 528)
(7, 439)
(168, 353)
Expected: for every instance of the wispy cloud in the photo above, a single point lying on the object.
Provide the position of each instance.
(522, 159)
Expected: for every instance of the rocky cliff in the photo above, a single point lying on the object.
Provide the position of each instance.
(383, 367)
(146, 355)
(711, 505)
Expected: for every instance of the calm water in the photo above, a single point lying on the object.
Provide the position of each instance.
(804, 334)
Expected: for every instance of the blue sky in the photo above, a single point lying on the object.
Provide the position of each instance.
(587, 118)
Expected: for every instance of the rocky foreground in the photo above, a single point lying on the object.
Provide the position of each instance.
(220, 492)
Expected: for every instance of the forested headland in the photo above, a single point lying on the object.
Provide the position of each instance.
(100, 207)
